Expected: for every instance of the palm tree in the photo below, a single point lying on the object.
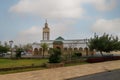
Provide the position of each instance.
(44, 47)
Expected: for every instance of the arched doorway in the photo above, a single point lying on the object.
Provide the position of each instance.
(81, 49)
(75, 49)
(36, 51)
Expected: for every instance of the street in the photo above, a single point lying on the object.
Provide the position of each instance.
(108, 75)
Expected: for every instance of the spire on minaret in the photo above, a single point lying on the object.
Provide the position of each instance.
(46, 24)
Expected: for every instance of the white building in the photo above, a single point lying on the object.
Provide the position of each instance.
(66, 45)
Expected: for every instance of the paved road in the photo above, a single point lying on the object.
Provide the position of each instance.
(109, 75)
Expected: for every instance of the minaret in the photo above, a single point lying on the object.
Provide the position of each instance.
(46, 32)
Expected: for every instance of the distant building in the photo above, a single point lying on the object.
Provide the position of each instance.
(76, 45)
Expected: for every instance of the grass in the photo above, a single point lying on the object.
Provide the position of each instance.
(6, 63)
(20, 70)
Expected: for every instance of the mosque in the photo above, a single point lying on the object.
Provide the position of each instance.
(66, 46)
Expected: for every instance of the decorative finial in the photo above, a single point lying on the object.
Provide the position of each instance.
(46, 24)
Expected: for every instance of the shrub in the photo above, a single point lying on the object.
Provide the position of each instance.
(55, 56)
(95, 59)
(76, 55)
(101, 59)
(18, 53)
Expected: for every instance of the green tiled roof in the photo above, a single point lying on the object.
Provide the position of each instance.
(59, 38)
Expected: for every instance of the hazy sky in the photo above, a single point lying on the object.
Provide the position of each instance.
(22, 20)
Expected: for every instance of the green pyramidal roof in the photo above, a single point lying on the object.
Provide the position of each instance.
(59, 38)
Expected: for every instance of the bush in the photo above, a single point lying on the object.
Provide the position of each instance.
(95, 59)
(101, 59)
(76, 55)
(18, 53)
(55, 56)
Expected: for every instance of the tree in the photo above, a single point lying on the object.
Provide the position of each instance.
(18, 53)
(44, 47)
(6, 44)
(27, 47)
(55, 56)
(0, 43)
(3, 49)
(105, 43)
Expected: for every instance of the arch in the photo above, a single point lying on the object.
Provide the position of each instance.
(75, 49)
(80, 49)
(36, 51)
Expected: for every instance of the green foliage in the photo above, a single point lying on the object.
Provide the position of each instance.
(27, 47)
(44, 47)
(3, 49)
(55, 56)
(105, 43)
(18, 53)
(6, 45)
(76, 55)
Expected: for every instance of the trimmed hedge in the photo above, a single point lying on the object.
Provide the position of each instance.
(101, 59)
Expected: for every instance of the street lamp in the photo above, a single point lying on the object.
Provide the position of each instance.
(86, 42)
(11, 42)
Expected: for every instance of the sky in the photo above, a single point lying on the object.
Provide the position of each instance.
(23, 20)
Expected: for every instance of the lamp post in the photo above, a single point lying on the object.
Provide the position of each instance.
(11, 42)
(86, 42)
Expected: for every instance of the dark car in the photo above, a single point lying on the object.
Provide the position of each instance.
(2, 54)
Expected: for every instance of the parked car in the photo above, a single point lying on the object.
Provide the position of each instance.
(8, 53)
(2, 54)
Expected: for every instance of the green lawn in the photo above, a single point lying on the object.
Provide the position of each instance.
(4, 63)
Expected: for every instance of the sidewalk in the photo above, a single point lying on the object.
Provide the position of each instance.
(63, 72)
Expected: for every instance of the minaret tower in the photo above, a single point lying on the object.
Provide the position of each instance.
(46, 32)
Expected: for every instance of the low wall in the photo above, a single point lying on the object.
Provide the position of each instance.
(54, 65)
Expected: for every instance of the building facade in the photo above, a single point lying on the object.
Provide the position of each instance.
(66, 46)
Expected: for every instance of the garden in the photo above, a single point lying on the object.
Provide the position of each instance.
(56, 59)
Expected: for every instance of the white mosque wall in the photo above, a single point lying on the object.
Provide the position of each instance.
(66, 44)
